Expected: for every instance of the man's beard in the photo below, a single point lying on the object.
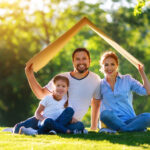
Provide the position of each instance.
(80, 70)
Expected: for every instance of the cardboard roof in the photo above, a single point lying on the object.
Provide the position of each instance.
(44, 56)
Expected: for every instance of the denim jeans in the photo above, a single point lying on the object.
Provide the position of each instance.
(61, 124)
(138, 123)
(30, 122)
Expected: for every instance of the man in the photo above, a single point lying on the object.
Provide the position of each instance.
(84, 87)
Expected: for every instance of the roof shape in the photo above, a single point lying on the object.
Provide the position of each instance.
(44, 56)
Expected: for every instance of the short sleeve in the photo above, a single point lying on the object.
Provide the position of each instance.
(97, 90)
(136, 86)
(44, 101)
(50, 86)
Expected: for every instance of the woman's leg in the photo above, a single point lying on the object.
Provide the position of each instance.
(30, 122)
(111, 120)
(138, 123)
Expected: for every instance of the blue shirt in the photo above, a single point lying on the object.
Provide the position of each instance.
(120, 99)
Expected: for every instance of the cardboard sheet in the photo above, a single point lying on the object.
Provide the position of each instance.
(44, 56)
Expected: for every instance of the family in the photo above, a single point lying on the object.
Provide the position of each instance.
(67, 97)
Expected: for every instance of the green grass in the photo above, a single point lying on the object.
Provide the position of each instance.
(92, 141)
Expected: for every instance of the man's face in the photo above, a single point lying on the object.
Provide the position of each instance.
(81, 62)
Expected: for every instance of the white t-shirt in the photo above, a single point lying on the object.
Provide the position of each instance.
(81, 91)
(53, 108)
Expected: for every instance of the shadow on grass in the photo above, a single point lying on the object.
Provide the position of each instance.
(130, 138)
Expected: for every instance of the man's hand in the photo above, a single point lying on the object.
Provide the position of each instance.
(29, 69)
(74, 120)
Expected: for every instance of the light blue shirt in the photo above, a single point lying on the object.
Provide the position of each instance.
(120, 99)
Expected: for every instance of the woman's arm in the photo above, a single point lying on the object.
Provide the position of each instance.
(39, 91)
(146, 83)
(38, 112)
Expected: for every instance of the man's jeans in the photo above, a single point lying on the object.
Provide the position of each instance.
(138, 123)
(61, 124)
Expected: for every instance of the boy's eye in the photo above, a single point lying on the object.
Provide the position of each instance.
(106, 64)
(112, 64)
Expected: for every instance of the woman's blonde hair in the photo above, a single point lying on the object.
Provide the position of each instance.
(108, 54)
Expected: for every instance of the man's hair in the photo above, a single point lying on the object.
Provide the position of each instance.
(80, 50)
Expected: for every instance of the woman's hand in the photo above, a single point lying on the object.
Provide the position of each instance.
(141, 68)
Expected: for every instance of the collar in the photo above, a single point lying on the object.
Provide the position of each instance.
(119, 75)
(79, 78)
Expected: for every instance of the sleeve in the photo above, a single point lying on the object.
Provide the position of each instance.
(136, 86)
(50, 86)
(44, 101)
(97, 95)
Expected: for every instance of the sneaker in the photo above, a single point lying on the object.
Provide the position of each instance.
(77, 131)
(106, 130)
(8, 130)
(52, 132)
(85, 131)
(27, 131)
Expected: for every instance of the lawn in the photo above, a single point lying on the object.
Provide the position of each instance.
(91, 141)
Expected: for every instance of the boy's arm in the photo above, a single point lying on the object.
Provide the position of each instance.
(95, 113)
(38, 112)
(39, 91)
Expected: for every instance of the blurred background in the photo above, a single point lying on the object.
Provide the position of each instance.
(27, 26)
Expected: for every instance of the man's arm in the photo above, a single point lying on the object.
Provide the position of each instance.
(39, 91)
(95, 113)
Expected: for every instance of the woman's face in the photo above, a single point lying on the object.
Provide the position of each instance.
(110, 67)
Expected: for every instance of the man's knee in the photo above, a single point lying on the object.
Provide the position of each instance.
(106, 114)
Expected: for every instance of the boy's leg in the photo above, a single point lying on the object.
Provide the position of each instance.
(138, 123)
(30, 122)
(66, 116)
(50, 124)
(111, 120)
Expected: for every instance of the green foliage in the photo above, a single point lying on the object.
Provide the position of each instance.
(138, 8)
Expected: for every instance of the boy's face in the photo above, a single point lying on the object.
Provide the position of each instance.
(61, 88)
(81, 62)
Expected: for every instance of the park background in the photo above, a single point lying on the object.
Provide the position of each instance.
(28, 26)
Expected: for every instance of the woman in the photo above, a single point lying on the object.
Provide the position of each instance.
(117, 111)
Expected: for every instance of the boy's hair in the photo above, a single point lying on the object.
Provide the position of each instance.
(66, 80)
(80, 50)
